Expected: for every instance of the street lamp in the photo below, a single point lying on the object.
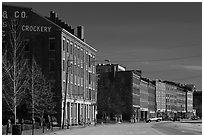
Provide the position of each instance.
(65, 96)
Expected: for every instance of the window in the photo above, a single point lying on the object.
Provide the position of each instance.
(67, 45)
(93, 86)
(89, 78)
(26, 45)
(75, 79)
(52, 43)
(89, 60)
(79, 53)
(63, 85)
(51, 65)
(27, 48)
(71, 48)
(89, 94)
(71, 70)
(63, 65)
(75, 50)
(82, 56)
(63, 46)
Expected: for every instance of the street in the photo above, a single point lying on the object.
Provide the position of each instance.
(178, 128)
(154, 128)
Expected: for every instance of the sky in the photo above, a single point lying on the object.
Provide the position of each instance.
(164, 40)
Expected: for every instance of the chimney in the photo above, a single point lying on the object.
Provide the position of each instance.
(139, 71)
(80, 32)
(53, 15)
(72, 31)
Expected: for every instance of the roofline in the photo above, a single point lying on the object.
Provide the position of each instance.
(79, 39)
(62, 29)
(35, 13)
(44, 17)
(15, 5)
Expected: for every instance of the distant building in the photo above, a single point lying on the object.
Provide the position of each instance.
(144, 99)
(160, 97)
(109, 68)
(190, 89)
(197, 102)
(174, 99)
(128, 85)
(176, 92)
(118, 93)
(181, 102)
(151, 99)
(56, 47)
(171, 99)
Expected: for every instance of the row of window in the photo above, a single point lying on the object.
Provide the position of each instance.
(77, 51)
(171, 88)
(80, 81)
(77, 91)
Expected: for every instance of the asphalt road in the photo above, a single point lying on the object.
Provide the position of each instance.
(153, 128)
(112, 129)
(177, 128)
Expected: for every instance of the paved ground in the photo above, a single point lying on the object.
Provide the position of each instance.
(179, 128)
(153, 128)
(39, 131)
(112, 129)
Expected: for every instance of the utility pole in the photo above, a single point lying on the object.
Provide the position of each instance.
(65, 96)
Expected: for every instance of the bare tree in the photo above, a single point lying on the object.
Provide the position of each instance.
(14, 67)
(40, 96)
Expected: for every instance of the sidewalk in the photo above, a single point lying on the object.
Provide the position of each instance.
(111, 129)
(191, 121)
(40, 131)
(55, 129)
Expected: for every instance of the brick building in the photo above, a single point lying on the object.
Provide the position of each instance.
(190, 89)
(181, 101)
(197, 103)
(160, 97)
(144, 95)
(54, 45)
(118, 92)
(151, 99)
(174, 99)
(171, 99)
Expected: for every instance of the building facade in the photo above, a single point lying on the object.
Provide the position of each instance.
(160, 97)
(190, 89)
(119, 92)
(151, 99)
(171, 99)
(109, 68)
(136, 77)
(197, 103)
(144, 99)
(64, 57)
(181, 101)
(177, 99)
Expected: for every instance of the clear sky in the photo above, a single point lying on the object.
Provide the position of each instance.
(164, 40)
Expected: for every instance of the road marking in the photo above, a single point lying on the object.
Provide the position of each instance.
(158, 132)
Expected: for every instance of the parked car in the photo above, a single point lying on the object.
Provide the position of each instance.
(157, 119)
(55, 124)
(194, 118)
(176, 118)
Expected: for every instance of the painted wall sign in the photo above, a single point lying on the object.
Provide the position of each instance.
(36, 28)
(15, 14)
(21, 16)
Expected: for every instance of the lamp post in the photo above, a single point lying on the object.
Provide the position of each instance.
(65, 96)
